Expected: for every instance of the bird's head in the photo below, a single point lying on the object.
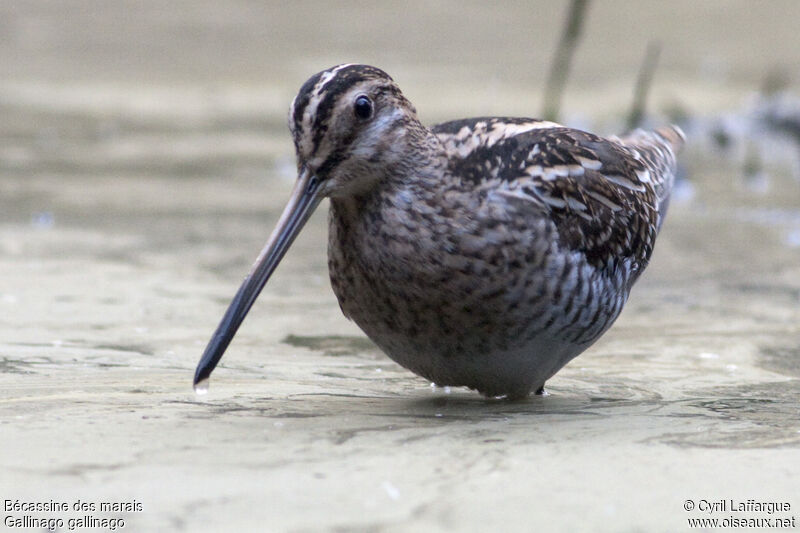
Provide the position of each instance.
(352, 128)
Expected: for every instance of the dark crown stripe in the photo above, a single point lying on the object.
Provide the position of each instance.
(310, 87)
(303, 99)
(339, 85)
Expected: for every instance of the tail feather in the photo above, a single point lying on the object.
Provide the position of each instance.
(658, 150)
(670, 136)
(673, 135)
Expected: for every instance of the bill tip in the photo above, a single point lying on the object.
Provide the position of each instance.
(201, 387)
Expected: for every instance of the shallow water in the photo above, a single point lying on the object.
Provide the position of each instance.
(129, 219)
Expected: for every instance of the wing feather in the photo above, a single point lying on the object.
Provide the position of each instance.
(606, 197)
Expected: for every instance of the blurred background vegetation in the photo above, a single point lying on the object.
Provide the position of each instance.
(202, 87)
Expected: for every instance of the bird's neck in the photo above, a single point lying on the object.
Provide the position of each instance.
(412, 158)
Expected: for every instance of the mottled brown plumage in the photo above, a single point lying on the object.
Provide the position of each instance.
(483, 252)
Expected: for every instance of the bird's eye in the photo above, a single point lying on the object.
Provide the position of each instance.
(363, 107)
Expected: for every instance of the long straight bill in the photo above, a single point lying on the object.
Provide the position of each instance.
(305, 198)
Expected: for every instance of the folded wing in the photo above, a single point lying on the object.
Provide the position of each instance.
(606, 197)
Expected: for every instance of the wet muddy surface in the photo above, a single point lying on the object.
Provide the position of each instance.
(128, 219)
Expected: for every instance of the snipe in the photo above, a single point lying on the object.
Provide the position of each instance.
(484, 252)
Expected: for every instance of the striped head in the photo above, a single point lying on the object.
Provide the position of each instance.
(351, 126)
